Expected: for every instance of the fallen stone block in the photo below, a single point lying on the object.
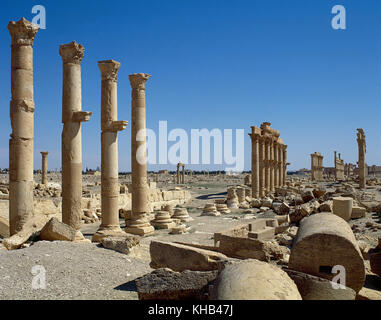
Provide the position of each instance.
(316, 288)
(121, 244)
(56, 230)
(180, 257)
(307, 196)
(165, 284)
(253, 280)
(34, 225)
(358, 212)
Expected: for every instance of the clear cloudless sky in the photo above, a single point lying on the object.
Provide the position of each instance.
(214, 64)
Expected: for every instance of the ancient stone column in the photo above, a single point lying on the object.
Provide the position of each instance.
(72, 117)
(262, 167)
(271, 164)
(276, 167)
(178, 173)
(361, 162)
(285, 163)
(44, 171)
(254, 135)
(280, 164)
(268, 166)
(139, 223)
(21, 113)
(183, 175)
(109, 142)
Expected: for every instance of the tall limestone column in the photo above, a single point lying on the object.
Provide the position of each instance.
(361, 162)
(139, 223)
(271, 163)
(262, 169)
(285, 164)
(178, 174)
(280, 150)
(21, 113)
(254, 135)
(183, 175)
(72, 117)
(276, 167)
(109, 142)
(267, 165)
(44, 171)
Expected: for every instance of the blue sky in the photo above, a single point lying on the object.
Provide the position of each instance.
(214, 64)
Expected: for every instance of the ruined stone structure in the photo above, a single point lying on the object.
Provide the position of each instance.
(44, 169)
(72, 118)
(268, 160)
(361, 162)
(316, 167)
(139, 223)
(22, 122)
(182, 173)
(339, 167)
(324, 241)
(349, 169)
(109, 142)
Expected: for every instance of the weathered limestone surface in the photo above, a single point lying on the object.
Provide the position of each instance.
(72, 117)
(109, 160)
(22, 122)
(180, 257)
(165, 284)
(323, 241)
(139, 223)
(253, 280)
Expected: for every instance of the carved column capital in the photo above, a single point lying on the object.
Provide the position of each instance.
(109, 69)
(22, 32)
(72, 52)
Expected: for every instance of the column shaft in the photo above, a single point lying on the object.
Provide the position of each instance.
(72, 116)
(139, 221)
(109, 143)
(22, 121)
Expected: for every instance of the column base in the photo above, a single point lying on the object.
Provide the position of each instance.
(140, 231)
(104, 232)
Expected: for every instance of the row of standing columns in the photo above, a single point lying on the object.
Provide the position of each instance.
(268, 160)
(21, 143)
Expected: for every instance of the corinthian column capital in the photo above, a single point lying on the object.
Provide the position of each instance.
(109, 69)
(22, 32)
(72, 52)
(138, 80)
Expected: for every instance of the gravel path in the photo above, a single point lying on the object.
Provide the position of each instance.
(73, 271)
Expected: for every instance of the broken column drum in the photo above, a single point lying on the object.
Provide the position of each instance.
(324, 241)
